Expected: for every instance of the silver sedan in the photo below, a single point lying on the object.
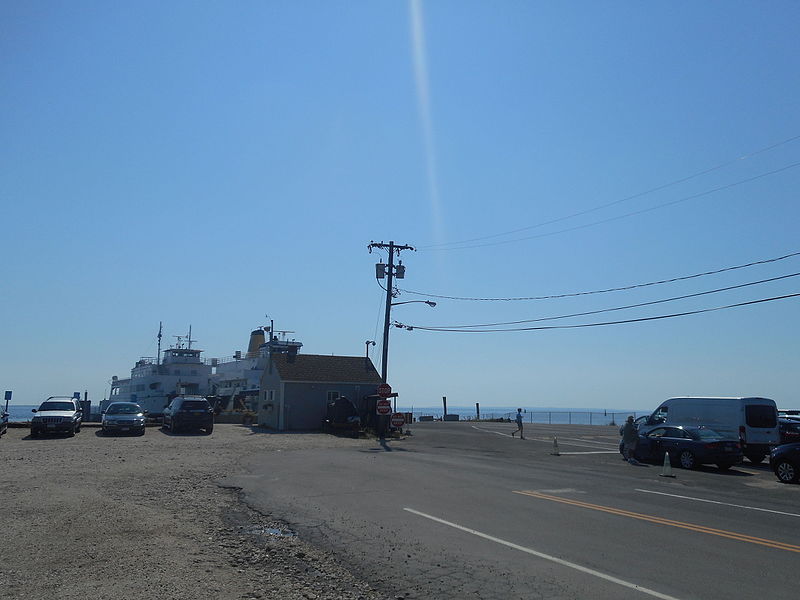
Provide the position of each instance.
(124, 417)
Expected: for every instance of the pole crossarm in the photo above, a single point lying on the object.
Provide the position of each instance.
(391, 245)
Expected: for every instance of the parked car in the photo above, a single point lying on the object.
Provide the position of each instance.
(57, 414)
(341, 416)
(123, 417)
(688, 447)
(785, 462)
(789, 430)
(753, 421)
(189, 412)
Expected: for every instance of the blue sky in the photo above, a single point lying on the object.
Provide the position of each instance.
(211, 163)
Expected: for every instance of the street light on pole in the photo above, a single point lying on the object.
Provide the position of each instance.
(428, 302)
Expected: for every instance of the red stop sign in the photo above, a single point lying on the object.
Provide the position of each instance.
(398, 420)
(383, 407)
(384, 390)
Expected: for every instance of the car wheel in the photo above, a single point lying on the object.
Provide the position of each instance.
(755, 458)
(34, 432)
(78, 428)
(687, 460)
(71, 432)
(141, 432)
(209, 429)
(787, 472)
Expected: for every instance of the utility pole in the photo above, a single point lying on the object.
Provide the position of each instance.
(389, 271)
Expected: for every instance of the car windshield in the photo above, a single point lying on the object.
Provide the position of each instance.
(57, 406)
(195, 405)
(124, 409)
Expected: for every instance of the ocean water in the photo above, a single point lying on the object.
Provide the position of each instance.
(20, 412)
(574, 416)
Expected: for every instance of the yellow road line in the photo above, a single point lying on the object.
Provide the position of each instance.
(662, 521)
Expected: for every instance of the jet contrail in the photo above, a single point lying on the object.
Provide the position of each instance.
(423, 99)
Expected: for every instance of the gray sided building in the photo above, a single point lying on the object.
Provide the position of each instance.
(295, 390)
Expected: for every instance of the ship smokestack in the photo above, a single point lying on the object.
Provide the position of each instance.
(256, 339)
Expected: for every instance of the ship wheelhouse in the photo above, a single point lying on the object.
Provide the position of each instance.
(153, 384)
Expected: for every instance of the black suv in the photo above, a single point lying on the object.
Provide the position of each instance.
(189, 412)
(57, 414)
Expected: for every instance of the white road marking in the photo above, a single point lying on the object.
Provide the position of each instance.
(593, 452)
(490, 431)
(536, 439)
(598, 444)
(554, 559)
(777, 512)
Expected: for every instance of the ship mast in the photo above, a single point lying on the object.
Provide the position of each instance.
(158, 356)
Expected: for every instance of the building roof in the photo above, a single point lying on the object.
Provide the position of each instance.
(328, 369)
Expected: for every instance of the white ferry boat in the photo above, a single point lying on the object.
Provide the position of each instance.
(237, 379)
(154, 381)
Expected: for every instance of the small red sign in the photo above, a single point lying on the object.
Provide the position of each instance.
(383, 407)
(398, 420)
(384, 390)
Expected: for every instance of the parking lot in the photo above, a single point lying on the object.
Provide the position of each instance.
(107, 516)
(454, 510)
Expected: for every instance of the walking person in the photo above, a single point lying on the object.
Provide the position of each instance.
(630, 436)
(518, 419)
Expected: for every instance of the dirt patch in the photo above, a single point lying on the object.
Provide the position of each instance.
(118, 517)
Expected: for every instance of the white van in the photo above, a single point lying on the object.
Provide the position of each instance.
(754, 421)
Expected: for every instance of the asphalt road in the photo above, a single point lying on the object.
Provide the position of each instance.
(462, 510)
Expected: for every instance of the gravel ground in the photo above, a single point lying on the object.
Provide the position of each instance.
(96, 517)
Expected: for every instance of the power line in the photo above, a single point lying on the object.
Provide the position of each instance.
(616, 218)
(604, 291)
(629, 306)
(582, 325)
(619, 201)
